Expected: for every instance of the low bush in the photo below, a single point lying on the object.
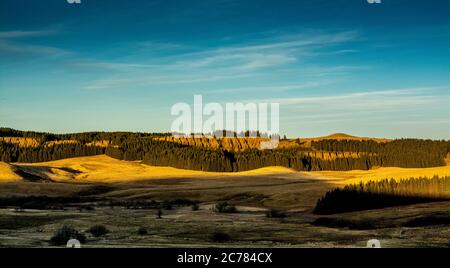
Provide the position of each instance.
(98, 230)
(142, 231)
(220, 237)
(166, 205)
(225, 207)
(275, 213)
(159, 214)
(66, 233)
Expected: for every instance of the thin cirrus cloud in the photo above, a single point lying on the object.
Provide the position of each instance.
(37, 50)
(116, 66)
(268, 52)
(21, 33)
(274, 88)
(390, 109)
(149, 81)
(257, 58)
(395, 99)
(17, 42)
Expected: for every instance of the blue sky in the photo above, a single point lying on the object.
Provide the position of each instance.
(380, 70)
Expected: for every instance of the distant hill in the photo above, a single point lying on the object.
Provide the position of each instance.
(343, 136)
(242, 143)
(105, 139)
(338, 151)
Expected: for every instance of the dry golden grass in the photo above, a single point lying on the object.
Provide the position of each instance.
(102, 168)
(343, 136)
(101, 143)
(231, 144)
(356, 176)
(306, 142)
(242, 144)
(32, 142)
(22, 142)
(324, 155)
(52, 143)
(7, 173)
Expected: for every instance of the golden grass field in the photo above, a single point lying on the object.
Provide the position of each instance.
(103, 169)
(356, 176)
(253, 192)
(7, 173)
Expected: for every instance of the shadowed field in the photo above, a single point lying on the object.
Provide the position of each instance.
(182, 227)
(125, 196)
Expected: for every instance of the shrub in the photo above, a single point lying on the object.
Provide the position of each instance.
(225, 207)
(275, 213)
(220, 237)
(166, 205)
(159, 214)
(142, 231)
(66, 233)
(195, 207)
(98, 230)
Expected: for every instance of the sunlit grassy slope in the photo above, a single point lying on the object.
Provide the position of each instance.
(7, 173)
(355, 176)
(102, 168)
(241, 143)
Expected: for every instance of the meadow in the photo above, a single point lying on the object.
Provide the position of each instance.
(126, 198)
(122, 189)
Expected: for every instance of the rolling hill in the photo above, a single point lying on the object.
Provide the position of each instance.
(7, 173)
(104, 169)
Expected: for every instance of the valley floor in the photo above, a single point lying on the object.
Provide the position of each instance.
(253, 192)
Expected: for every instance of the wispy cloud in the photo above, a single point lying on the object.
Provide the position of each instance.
(21, 48)
(268, 52)
(261, 57)
(15, 42)
(381, 111)
(150, 81)
(21, 33)
(366, 99)
(117, 66)
(377, 105)
(274, 88)
(156, 45)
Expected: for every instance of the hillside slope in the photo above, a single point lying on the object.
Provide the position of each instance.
(7, 173)
(240, 143)
(102, 168)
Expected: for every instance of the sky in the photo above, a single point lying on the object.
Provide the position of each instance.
(376, 70)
